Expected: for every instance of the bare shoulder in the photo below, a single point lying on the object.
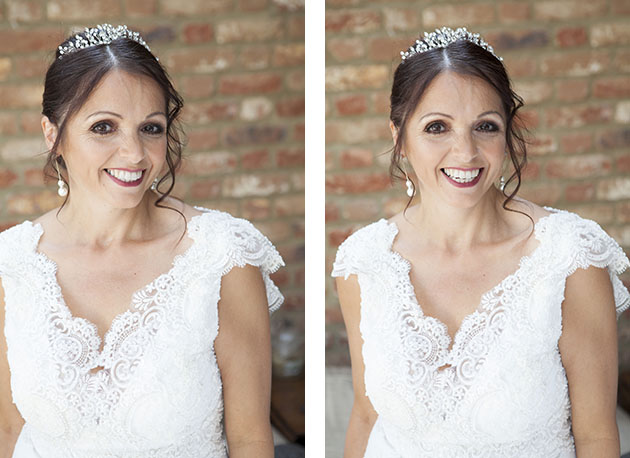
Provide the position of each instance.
(534, 211)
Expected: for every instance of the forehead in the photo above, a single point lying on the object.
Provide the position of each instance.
(456, 94)
(125, 93)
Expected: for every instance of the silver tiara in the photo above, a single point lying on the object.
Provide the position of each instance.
(102, 34)
(443, 37)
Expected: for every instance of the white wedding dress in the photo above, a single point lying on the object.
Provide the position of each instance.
(158, 391)
(504, 393)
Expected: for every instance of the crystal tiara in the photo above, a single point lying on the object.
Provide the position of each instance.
(443, 37)
(102, 34)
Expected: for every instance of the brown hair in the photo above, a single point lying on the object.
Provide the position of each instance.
(413, 76)
(71, 79)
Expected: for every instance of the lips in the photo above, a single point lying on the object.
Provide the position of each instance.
(126, 177)
(462, 178)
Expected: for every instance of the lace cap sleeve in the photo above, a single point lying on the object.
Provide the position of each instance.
(15, 242)
(586, 244)
(240, 244)
(355, 254)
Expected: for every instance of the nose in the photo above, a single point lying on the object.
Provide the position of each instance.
(131, 148)
(464, 146)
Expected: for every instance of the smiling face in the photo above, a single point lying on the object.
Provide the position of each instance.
(115, 145)
(455, 140)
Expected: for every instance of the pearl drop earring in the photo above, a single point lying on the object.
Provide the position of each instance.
(63, 187)
(410, 189)
(502, 183)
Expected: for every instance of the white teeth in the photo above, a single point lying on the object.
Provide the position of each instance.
(124, 175)
(462, 176)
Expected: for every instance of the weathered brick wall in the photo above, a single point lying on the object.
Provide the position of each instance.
(570, 61)
(239, 65)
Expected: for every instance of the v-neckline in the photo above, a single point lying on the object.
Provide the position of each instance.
(130, 309)
(457, 336)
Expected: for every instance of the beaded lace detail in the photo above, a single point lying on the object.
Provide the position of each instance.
(155, 388)
(499, 389)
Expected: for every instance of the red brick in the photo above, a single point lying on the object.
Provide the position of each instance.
(200, 60)
(23, 10)
(603, 214)
(205, 189)
(623, 212)
(361, 210)
(22, 41)
(622, 112)
(622, 60)
(352, 183)
(331, 212)
(518, 39)
(528, 118)
(356, 77)
(5, 68)
(298, 132)
(380, 103)
(542, 145)
(295, 27)
(254, 57)
(614, 138)
(34, 177)
(256, 208)
(578, 115)
(7, 177)
(456, 15)
(32, 203)
(351, 104)
(290, 157)
(256, 108)
(289, 206)
(400, 20)
(140, 8)
(196, 86)
(360, 131)
(290, 107)
(195, 7)
(610, 34)
(246, 185)
(280, 278)
(206, 112)
(22, 149)
(352, 21)
(542, 194)
(612, 87)
(346, 49)
(571, 36)
(579, 167)
(521, 66)
(576, 63)
(576, 142)
(571, 90)
(276, 230)
(254, 134)
(254, 30)
(288, 55)
(562, 9)
(202, 139)
(337, 236)
(198, 33)
(356, 157)
(534, 92)
(387, 49)
(68, 10)
(257, 159)
(511, 12)
(614, 189)
(209, 163)
(250, 83)
(620, 7)
(531, 171)
(30, 122)
(295, 80)
(8, 124)
(623, 163)
(252, 5)
(29, 67)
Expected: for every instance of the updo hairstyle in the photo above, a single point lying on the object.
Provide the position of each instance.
(413, 76)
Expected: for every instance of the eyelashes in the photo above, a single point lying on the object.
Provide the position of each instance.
(438, 127)
(104, 128)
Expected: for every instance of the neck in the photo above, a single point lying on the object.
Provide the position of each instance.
(99, 225)
(458, 230)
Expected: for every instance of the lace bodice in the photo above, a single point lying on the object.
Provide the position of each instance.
(155, 388)
(501, 389)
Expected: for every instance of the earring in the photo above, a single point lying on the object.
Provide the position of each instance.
(154, 185)
(502, 183)
(63, 187)
(410, 189)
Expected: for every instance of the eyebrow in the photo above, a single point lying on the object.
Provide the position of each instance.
(449, 116)
(111, 113)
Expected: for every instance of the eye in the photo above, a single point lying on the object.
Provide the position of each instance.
(487, 126)
(435, 128)
(102, 128)
(153, 129)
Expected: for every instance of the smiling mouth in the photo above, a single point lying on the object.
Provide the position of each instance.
(462, 178)
(126, 177)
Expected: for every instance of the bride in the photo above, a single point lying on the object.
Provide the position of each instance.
(479, 324)
(134, 324)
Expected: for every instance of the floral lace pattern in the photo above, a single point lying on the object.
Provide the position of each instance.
(499, 388)
(154, 389)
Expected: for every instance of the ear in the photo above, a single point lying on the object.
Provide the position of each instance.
(394, 131)
(50, 131)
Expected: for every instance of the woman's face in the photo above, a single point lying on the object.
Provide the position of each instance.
(455, 140)
(115, 145)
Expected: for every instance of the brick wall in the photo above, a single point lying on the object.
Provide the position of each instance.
(570, 61)
(239, 65)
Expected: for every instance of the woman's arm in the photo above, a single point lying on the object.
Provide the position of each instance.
(363, 414)
(588, 346)
(11, 421)
(243, 349)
